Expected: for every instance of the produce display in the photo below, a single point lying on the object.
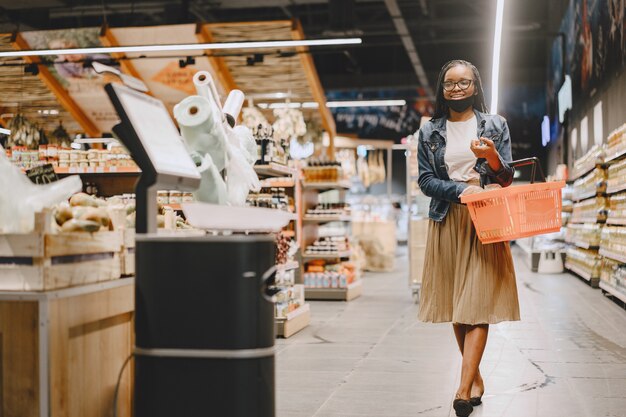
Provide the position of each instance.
(86, 213)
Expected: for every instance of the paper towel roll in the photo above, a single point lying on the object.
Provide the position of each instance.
(205, 87)
(201, 80)
(200, 125)
(232, 106)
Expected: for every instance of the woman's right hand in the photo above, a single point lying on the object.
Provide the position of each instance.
(472, 189)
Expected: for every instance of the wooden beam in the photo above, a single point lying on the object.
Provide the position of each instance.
(297, 33)
(19, 43)
(107, 38)
(225, 78)
(250, 24)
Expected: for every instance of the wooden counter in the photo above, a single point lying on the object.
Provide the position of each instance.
(61, 351)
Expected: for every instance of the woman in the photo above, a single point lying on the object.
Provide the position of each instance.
(460, 150)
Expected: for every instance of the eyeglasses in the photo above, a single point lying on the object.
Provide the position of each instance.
(463, 85)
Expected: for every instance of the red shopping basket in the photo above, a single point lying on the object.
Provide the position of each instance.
(517, 211)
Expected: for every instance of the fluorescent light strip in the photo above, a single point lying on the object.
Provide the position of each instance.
(183, 47)
(5, 131)
(333, 104)
(366, 103)
(495, 69)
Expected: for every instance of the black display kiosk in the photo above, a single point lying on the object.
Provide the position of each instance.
(204, 317)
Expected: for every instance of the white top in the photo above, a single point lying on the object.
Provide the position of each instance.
(459, 158)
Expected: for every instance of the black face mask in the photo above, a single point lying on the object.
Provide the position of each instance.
(460, 106)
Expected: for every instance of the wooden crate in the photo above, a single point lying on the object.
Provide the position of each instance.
(61, 351)
(127, 254)
(43, 260)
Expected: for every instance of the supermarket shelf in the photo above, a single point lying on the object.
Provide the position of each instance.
(615, 155)
(619, 257)
(353, 291)
(274, 170)
(175, 207)
(325, 219)
(580, 272)
(278, 184)
(613, 190)
(294, 322)
(583, 245)
(618, 221)
(586, 196)
(615, 292)
(582, 220)
(322, 185)
(95, 171)
(344, 254)
(288, 266)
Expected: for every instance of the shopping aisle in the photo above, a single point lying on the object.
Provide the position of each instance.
(371, 357)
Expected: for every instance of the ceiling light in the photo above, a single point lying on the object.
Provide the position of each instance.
(183, 47)
(365, 103)
(5, 131)
(495, 69)
(331, 104)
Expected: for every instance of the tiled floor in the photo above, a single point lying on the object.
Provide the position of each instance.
(371, 357)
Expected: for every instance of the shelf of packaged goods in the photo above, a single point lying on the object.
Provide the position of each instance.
(98, 171)
(617, 221)
(326, 185)
(601, 218)
(613, 189)
(587, 196)
(581, 244)
(175, 207)
(278, 184)
(274, 170)
(579, 271)
(326, 219)
(294, 322)
(288, 266)
(619, 257)
(351, 292)
(614, 291)
(615, 155)
(343, 254)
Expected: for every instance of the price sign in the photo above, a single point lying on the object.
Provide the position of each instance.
(43, 174)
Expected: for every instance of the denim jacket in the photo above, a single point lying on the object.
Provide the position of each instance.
(433, 174)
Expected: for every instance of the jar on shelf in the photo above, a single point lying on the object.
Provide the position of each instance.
(175, 197)
(163, 197)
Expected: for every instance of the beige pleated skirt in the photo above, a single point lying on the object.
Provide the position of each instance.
(465, 281)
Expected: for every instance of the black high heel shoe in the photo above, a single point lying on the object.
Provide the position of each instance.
(463, 408)
(476, 401)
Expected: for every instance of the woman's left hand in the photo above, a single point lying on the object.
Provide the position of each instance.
(486, 149)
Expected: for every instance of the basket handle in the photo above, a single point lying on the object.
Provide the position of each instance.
(534, 161)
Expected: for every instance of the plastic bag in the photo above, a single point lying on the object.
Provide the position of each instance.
(240, 175)
(212, 186)
(21, 199)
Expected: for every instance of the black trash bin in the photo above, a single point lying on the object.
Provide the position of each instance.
(204, 326)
